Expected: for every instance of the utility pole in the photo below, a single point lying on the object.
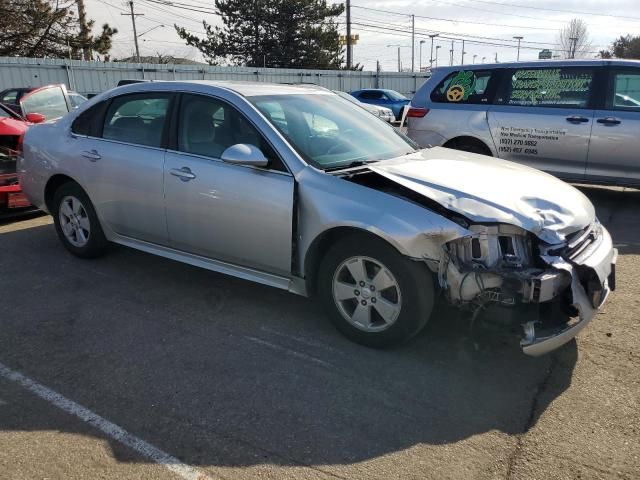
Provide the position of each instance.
(463, 52)
(413, 43)
(438, 47)
(432, 36)
(399, 64)
(519, 38)
(349, 59)
(451, 52)
(135, 33)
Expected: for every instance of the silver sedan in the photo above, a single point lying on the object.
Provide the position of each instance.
(294, 187)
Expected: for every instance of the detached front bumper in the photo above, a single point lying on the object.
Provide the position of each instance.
(592, 272)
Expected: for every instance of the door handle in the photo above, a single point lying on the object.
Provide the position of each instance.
(185, 174)
(92, 155)
(609, 121)
(577, 119)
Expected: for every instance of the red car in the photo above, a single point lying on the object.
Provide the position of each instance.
(35, 106)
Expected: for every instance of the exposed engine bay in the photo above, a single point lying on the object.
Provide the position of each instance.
(509, 266)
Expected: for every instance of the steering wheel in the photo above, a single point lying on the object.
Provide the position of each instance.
(341, 146)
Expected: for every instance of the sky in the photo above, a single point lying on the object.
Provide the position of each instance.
(486, 25)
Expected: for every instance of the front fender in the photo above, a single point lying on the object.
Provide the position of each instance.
(327, 202)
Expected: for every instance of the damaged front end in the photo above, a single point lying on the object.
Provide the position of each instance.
(507, 265)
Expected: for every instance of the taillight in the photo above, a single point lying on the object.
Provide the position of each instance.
(417, 112)
(19, 143)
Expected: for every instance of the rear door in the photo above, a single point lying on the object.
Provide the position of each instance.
(615, 139)
(124, 167)
(542, 117)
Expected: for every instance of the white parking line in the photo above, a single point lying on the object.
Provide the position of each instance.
(110, 429)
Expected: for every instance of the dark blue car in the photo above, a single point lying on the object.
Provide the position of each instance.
(383, 97)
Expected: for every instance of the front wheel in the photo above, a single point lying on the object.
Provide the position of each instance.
(374, 295)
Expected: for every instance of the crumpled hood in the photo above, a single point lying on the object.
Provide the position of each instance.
(488, 190)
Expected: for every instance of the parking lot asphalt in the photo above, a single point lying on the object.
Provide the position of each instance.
(237, 380)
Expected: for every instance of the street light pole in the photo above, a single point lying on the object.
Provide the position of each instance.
(463, 52)
(432, 36)
(519, 38)
(474, 59)
(438, 47)
(451, 51)
(413, 43)
(420, 56)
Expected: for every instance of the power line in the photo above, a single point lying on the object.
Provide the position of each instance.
(456, 21)
(575, 12)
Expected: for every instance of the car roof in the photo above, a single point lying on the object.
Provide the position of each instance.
(544, 63)
(246, 89)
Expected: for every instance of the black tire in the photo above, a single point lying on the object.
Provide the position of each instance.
(96, 242)
(471, 148)
(414, 280)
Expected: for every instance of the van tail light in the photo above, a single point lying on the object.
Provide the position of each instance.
(417, 112)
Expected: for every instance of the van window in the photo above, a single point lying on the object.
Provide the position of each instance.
(464, 86)
(547, 87)
(626, 91)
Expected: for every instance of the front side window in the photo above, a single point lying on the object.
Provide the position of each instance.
(208, 126)
(548, 87)
(137, 118)
(49, 102)
(463, 86)
(330, 132)
(626, 91)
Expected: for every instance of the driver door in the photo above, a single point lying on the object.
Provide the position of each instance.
(234, 213)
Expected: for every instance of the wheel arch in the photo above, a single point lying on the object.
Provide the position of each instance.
(323, 242)
(468, 139)
(53, 184)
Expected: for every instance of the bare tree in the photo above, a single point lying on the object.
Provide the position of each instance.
(574, 40)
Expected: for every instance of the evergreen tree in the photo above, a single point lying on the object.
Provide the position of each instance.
(48, 28)
(272, 33)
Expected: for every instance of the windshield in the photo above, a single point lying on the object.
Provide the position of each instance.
(330, 132)
(393, 95)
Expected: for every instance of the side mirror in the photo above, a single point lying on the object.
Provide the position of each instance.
(244, 154)
(35, 118)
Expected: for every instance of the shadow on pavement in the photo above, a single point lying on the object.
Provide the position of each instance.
(219, 371)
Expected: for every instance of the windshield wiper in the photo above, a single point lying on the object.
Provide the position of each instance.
(357, 163)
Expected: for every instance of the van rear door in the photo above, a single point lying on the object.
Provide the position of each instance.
(542, 117)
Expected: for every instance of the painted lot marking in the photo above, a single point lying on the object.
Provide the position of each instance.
(110, 429)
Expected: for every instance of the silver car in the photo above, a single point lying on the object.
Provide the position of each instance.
(294, 187)
(383, 113)
(576, 119)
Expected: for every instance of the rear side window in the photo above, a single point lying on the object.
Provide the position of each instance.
(464, 86)
(88, 122)
(50, 102)
(137, 118)
(547, 87)
(626, 91)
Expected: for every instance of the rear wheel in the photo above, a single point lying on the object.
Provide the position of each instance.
(76, 222)
(374, 295)
(469, 146)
